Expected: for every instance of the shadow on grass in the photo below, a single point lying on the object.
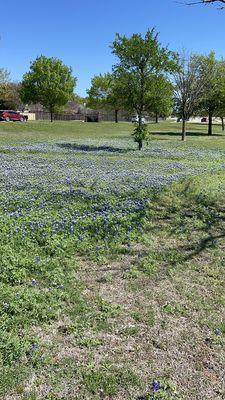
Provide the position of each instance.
(197, 221)
(210, 242)
(193, 134)
(91, 148)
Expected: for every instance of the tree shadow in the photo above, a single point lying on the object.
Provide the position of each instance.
(199, 221)
(193, 134)
(92, 148)
(194, 250)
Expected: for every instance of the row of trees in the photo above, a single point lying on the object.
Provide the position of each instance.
(199, 88)
(146, 78)
(138, 82)
(149, 78)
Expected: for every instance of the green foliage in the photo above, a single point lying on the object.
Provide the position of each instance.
(167, 391)
(49, 82)
(99, 92)
(105, 93)
(106, 379)
(188, 89)
(139, 60)
(140, 134)
(160, 97)
(212, 72)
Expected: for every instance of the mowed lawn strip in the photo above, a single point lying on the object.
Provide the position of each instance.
(112, 266)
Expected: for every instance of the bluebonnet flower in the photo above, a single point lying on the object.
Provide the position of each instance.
(113, 191)
(34, 282)
(155, 386)
(61, 286)
(6, 306)
(218, 332)
(34, 346)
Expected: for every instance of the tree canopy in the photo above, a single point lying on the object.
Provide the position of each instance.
(49, 82)
(105, 93)
(139, 59)
(159, 101)
(212, 72)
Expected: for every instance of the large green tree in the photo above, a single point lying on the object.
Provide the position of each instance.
(138, 60)
(212, 72)
(104, 93)
(160, 97)
(49, 82)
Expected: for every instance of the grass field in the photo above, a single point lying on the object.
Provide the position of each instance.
(112, 265)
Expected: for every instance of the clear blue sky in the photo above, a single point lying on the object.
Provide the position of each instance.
(79, 32)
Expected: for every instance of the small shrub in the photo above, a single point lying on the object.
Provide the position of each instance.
(140, 134)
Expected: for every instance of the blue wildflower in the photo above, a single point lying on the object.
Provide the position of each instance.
(34, 346)
(155, 386)
(61, 287)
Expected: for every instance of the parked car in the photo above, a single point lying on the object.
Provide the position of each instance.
(181, 119)
(135, 118)
(10, 115)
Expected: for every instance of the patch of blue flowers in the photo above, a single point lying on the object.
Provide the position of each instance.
(71, 189)
(57, 199)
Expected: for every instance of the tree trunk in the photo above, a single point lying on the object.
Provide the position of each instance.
(116, 116)
(222, 123)
(140, 123)
(183, 129)
(139, 120)
(140, 145)
(156, 118)
(51, 113)
(210, 124)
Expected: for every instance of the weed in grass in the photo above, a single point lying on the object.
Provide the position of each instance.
(149, 265)
(106, 379)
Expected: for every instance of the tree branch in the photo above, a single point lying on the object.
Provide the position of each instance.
(206, 2)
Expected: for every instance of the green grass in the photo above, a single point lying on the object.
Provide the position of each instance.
(107, 280)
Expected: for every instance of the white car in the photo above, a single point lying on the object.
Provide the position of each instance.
(135, 118)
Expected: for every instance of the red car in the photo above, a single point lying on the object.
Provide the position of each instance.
(9, 115)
